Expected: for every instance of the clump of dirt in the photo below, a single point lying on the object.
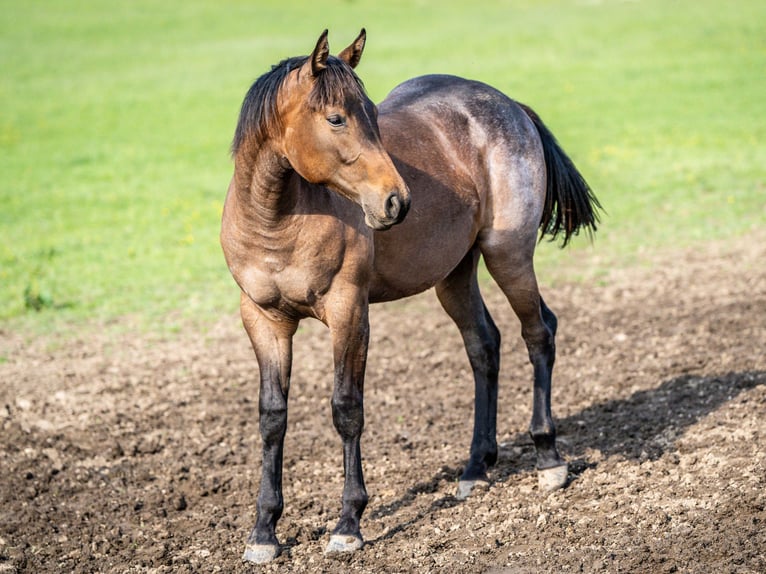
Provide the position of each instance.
(133, 455)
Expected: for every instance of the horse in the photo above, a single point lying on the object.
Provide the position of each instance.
(335, 203)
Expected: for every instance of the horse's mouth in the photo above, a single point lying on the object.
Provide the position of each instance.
(377, 224)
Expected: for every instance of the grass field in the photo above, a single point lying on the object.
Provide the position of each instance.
(117, 118)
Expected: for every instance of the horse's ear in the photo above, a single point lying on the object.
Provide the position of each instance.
(353, 53)
(320, 54)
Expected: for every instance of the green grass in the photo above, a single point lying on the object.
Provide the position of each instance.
(117, 117)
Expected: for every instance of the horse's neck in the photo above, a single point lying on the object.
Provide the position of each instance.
(262, 191)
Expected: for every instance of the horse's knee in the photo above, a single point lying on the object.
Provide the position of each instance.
(348, 414)
(272, 422)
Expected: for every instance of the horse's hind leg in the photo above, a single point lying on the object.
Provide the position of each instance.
(514, 272)
(459, 295)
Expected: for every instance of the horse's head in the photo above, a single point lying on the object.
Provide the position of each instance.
(330, 134)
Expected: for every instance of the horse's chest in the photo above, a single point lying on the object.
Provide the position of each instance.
(274, 286)
(293, 271)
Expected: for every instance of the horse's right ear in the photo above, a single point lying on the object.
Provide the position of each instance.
(320, 54)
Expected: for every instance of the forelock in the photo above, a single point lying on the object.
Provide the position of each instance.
(336, 85)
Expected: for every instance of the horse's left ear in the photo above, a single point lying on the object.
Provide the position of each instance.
(353, 53)
(320, 54)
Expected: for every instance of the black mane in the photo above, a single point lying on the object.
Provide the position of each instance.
(259, 117)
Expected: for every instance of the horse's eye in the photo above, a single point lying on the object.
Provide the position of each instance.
(336, 120)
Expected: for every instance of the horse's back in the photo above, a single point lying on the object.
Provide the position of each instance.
(451, 101)
(458, 144)
(419, 90)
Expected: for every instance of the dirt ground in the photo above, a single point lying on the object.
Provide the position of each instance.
(132, 454)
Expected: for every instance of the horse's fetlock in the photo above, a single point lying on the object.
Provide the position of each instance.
(357, 500)
(348, 526)
(270, 505)
(490, 458)
(545, 431)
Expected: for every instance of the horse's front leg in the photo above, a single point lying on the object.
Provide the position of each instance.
(272, 342)
(350, 330)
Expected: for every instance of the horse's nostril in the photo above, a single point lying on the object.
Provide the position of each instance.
(393, 206)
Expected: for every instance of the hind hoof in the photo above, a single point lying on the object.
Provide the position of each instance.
(260, 553)
(466, 487)
(343, 543)
(550, 479)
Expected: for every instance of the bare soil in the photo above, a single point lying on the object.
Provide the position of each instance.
(124, 453)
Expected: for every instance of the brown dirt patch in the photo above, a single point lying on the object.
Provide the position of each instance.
(123, 454)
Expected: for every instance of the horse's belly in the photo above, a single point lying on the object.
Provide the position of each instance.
(415, 255)
(446, 186)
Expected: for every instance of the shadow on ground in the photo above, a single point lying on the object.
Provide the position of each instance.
(643, 426)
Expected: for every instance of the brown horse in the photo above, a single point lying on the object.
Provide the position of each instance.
(484, 174)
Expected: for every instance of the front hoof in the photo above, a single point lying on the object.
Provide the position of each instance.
(343, 543)
(466, 487)
(550, 479)
(260, 553)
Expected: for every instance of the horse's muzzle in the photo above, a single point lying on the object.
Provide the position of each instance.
(395, 209)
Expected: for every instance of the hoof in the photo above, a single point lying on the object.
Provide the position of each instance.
(343, 543)
(466, 487)
(260, 553)
(550, 479)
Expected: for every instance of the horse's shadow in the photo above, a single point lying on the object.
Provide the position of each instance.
(643, 426)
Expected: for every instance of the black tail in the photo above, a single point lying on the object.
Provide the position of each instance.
(569, 201)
